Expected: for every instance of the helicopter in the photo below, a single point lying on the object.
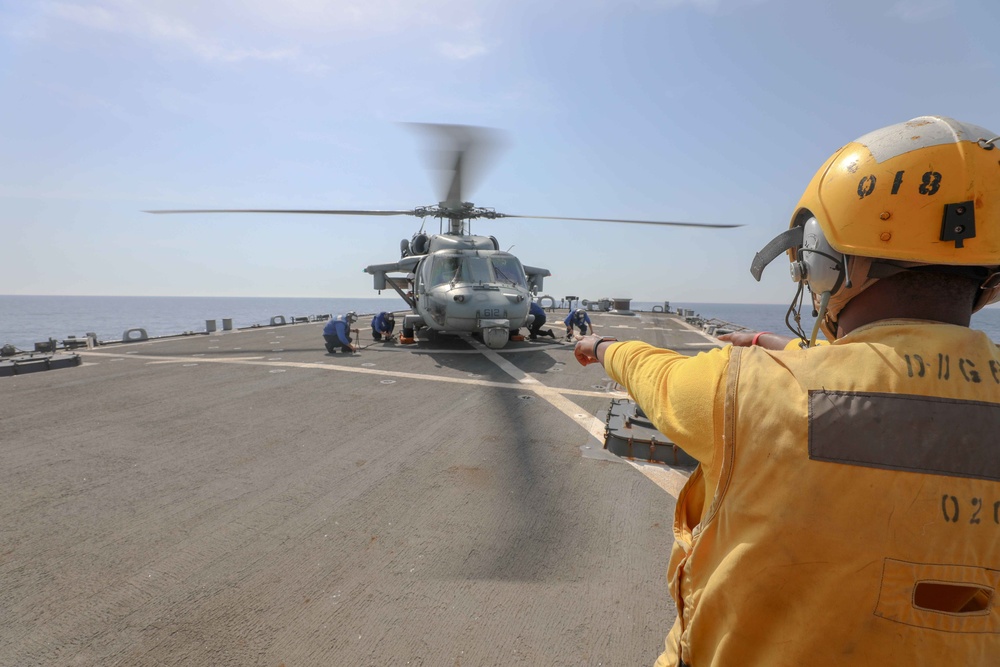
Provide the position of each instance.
(455, 281)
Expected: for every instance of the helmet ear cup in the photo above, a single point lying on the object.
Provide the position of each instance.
(817, 264)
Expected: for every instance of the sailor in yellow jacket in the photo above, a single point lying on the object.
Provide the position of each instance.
(846, 509)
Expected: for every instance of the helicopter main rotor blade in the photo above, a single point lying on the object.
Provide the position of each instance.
(461, 153)
(269, 210)
(632, 222)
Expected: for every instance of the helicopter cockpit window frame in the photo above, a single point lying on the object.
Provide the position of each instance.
(444, 269)
(475, 270)
(508, 269)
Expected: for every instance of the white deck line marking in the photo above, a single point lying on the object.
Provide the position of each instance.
(344, 369)
(173, 360)
(666, 478)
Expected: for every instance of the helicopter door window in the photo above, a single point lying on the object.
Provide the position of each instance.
(508, 270)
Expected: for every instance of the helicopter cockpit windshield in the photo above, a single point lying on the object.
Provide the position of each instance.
(476, 270)
(507, 269)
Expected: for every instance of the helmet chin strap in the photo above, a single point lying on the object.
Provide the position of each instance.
(824, 301)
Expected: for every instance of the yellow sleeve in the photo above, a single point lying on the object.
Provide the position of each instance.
(683, 396)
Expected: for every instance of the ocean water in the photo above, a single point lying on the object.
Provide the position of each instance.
(771, 317)
(25, 320)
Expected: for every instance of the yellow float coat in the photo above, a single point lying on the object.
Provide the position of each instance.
(846, 509)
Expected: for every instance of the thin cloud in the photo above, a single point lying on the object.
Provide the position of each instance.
(171, 30)
(87, 100)
(96, 18)
(919, 11)
(232, 32)
(376, 17)
(462, 51)
(704, 6)
(128, 18)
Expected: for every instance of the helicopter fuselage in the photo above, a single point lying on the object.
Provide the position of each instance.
(463, 284)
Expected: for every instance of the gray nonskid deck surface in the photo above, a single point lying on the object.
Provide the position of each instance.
(244, 498)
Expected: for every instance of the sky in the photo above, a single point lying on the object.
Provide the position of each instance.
(713, 111)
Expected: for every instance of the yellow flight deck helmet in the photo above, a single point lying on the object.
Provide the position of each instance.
(919, 195)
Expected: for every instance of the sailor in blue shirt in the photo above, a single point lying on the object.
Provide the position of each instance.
(382, 325)
(337, 333)
(535, 330)
(580, 319)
